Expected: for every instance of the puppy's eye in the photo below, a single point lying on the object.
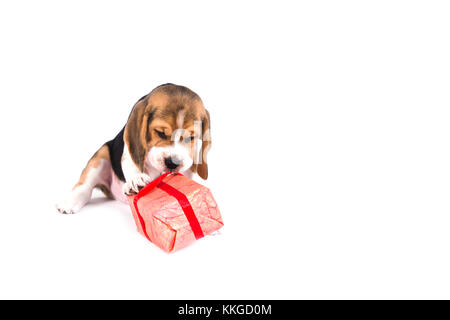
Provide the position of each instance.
(189, 139)
(161, 134)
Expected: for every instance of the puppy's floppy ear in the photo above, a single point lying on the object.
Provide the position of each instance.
(202, 167)
(137, 135)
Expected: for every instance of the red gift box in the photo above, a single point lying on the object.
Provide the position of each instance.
(173, 211)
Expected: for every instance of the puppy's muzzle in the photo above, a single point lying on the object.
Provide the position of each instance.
(172, 163)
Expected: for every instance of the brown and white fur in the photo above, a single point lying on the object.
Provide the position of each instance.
(167, 130)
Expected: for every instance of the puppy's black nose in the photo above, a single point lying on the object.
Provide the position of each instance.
(171, 164)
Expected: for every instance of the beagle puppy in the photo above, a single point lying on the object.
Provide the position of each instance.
(167, 131)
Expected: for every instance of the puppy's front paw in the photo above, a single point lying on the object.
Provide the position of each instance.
(136, 183)
(68, 206)
(75, 201)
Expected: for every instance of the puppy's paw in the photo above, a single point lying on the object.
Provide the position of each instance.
(136, 183)
(75, 201)
(68, 206)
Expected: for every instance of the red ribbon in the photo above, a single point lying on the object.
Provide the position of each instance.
(181, 198)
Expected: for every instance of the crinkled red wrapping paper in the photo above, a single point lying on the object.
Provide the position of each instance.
(165, 221)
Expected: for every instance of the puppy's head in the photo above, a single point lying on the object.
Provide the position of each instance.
(169, 130)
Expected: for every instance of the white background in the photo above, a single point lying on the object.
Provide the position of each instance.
(330, 158)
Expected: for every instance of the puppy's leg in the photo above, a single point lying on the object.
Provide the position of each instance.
(96, 174)
(135, 180)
